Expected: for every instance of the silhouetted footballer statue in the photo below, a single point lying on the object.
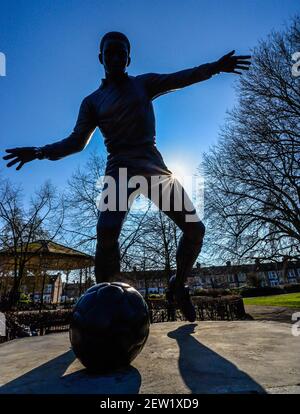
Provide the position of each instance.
(122, 108)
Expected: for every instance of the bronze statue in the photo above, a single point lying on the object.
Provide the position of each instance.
(122, 108)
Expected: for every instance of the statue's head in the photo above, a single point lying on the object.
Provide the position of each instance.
(114, 53)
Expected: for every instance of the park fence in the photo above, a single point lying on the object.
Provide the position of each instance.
(207, 308)
(33, 323)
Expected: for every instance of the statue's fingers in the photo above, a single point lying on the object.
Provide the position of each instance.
(242, 67)
(13, 162)
(244, 56)
(237, 72)
(244, 62)
(20, 165)
(11, 149)
(8, 157)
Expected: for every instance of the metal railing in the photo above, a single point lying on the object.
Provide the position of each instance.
(22, 324)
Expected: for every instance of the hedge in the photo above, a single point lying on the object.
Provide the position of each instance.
(250, 292)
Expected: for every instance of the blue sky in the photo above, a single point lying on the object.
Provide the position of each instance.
(51, 49)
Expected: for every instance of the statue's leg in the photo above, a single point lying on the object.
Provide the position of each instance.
(189, 248)
(107, 257)
(190, 243)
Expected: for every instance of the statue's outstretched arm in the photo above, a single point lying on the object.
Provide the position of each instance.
(75, 142)
(158, 84)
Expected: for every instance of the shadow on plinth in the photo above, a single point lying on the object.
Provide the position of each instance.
(205, 371)
(49, 378)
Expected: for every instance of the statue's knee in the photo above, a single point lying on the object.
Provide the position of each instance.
(201, 229)
(106, 236)
(195, 232)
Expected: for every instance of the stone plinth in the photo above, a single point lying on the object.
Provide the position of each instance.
(206, 357)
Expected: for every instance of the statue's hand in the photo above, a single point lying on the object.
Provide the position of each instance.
(230, 63)
(20, 155)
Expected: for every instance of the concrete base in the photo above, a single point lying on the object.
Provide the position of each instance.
(206, 357)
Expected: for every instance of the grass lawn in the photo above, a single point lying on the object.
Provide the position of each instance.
(290, 300)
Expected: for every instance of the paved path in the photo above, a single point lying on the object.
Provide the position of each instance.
(207, 357)
(271, 313)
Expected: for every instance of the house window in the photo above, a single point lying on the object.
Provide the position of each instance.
(47, 298)
(291, 274)
(273, 275)
(48, 289)
(242, 277)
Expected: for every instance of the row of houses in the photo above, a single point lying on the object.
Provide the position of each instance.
(52, 289)
(48, 289)
(228, 276)
(257, 274)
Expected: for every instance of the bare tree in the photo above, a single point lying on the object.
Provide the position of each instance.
(81, 196)
(159, 243)
(253, 279)
(252, 199)
(21, 226)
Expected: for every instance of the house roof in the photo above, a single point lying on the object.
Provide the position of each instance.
(214, 270)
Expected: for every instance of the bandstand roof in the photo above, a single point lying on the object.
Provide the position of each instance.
(47, 255)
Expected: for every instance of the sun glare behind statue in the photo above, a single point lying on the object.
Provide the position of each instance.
(179, 172)
(188, 182)
(191, 182)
